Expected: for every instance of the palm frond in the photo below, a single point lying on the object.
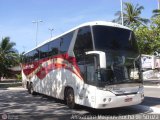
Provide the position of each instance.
(139, 8)
(6, 46)
(131, 14)
(143, 20)
(156, 13)
(4, 43)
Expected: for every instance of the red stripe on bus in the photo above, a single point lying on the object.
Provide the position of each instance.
(43, 71)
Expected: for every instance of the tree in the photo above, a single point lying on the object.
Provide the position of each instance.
(131, 15)
(156, 12)
(8, 57)
(149, 37)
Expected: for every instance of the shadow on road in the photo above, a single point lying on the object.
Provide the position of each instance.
(26, 106)
(151, 101)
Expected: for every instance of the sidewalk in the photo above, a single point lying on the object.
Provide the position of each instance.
(10, 83)
(8, 80)
(152, 82)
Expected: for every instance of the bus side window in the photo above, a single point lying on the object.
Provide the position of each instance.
(83, 43)
(44, 51)
(29, 57)
(54, 47)
(36, 55)
(65, 42)
(26, 58)
(23, 59)
(32, 56)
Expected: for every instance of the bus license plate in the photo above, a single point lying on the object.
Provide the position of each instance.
(128, 100)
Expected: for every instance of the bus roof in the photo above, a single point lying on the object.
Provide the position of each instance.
(104, 23)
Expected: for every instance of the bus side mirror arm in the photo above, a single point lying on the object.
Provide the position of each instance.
(102, 57)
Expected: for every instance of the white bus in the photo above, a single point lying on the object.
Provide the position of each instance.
(96, 64)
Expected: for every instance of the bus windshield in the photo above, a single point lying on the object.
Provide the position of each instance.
(113, 38)
(122, 55)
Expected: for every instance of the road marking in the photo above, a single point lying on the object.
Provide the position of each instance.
(151, 86)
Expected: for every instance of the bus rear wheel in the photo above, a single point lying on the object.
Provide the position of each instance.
(28, 87)
(31, 91)
(70, 98)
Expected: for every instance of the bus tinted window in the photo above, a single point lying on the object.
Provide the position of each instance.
(23, 59)
(36, 55)
(65, 42)
(54, 47)
(83, 43)
(44, 51)
(113, 38)
(26, 58)
(30, 57)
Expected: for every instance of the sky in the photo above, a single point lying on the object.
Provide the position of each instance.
(16, 17)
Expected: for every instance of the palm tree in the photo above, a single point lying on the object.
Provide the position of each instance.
(8, 56)
(131, 15)
(156, 12)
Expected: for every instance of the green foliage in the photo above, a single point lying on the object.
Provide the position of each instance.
(149, 37)
(8, 57)
(156, 13)
(19, 76)
(131, 15)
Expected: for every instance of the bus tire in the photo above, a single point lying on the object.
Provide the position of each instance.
(28, 87)
(31, 91)
(70, 98)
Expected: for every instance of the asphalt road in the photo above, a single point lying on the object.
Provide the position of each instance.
(17, 103)
(152, 96)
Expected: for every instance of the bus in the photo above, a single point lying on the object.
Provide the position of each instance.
(96, 64)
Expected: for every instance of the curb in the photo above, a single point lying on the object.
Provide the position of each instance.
(151, 86)
(16, 88)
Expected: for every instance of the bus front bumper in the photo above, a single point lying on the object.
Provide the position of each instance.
(103, 102)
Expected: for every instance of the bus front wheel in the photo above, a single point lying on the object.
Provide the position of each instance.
(70, 98)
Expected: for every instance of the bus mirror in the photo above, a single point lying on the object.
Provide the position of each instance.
(102, 57)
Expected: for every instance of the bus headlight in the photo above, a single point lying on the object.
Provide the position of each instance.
(104, 100)
(109, 99)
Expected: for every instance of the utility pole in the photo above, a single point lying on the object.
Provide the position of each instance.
(51, 29)
(37, 22)
(122, 11)
(158, 4)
